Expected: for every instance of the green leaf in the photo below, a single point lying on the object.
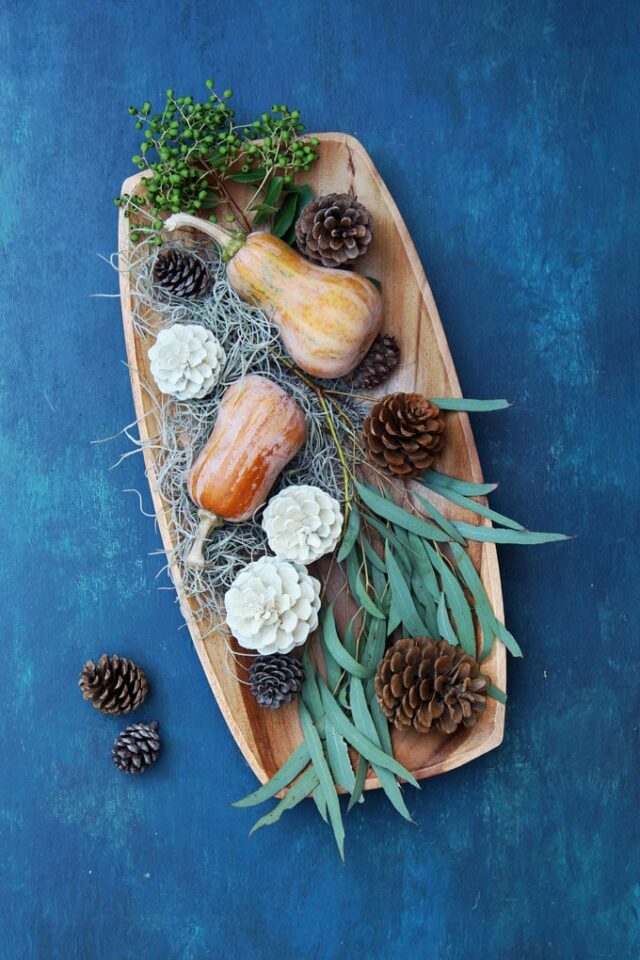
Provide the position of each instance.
(445, 525)
(350, 534)
(357, 739)
(422, 566)
(338, 652)
(285, 216)
(251, 176)
(497, 694)
(320, 802)
(402, 597)
(382, 724)
(374, 280)
(287, 772)
(300, 789)
(445, 629)
(358, 787)
(456, 601)
(364, 722)
(434, 479)
(484, 610)
(389, 510)
(374, 647)
(333, 669)
(358, 588)
(373, 558)
(508, 639)
(473, 505)
(310, 693)
(270, 203)
(321, 768)
(470, 406)
(496, 535)
(338, 756)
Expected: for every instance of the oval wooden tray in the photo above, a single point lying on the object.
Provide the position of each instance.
(266, 738)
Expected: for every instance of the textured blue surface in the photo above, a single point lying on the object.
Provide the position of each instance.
(508, 133)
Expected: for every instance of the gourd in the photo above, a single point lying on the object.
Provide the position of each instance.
(258, 430)
(327, 318)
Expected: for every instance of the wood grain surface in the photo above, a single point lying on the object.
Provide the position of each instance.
(266, 738)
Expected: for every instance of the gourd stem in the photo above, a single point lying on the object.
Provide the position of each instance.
(208, 522)
(228, 242)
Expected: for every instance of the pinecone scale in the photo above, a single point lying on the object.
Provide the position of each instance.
(113, 685)
(379, 363)
(429, 684)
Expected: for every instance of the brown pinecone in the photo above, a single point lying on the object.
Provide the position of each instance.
(425, 684)
(181, 273)
(379, 363)
(404, 433)
(137, 747)
(334, 230)
(114, 685)
(275, 679)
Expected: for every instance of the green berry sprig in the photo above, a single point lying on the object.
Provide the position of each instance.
(191, 149)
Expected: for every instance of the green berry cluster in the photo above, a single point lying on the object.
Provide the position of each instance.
(190, 149)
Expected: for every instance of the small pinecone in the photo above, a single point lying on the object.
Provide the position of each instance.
(404, 433)
(275, 679)
(137, 747)
(379, 363)
(114, 685)
(334, 230)
(428, 684)
(180, 273)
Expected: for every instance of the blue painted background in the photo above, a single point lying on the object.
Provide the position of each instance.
(509, 135)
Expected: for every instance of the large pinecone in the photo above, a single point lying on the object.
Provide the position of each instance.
(181, 273)
(379, 363)
(425, 684)
(275, 679)
(114, 684)
(137, 747)
(334, 230)
(404, 433)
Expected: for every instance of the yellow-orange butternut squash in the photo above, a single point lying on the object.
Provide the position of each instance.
(327, 318)
(258, 430)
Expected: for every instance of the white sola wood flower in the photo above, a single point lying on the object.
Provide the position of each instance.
(272, 606)
(302, 523)
(186, 361)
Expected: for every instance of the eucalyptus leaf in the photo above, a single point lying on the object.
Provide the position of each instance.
(373, 558)
(310, 693)
(402, 597)
(357, 739)
(389, 510)
(287, 772)
(445, 628)
(338, 652)
(497, 694)
(364, 722)
(300, 789)
(333, 669)
(320, 802)
(469, 406)
(350, 534)
(338, 756)
(359, 590)
(358, 787)
(321, 769)
(445, 525)
(456, 602)
(497, 535)
(422, 566)
(475, 507)
(433, 479)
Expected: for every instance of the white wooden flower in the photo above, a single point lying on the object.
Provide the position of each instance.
(302, 523)
(272, 606)
(186, 361)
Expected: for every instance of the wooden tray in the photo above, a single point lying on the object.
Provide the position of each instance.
(266, 738)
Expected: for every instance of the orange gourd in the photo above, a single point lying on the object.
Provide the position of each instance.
(258, 430)
(327, 318)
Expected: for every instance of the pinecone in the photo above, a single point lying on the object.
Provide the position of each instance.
(334, 230)
(403, 434)
(379, 363)
(137, 747)
(428, 684)
(114, 685)
(275, 679)
(181, 273)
